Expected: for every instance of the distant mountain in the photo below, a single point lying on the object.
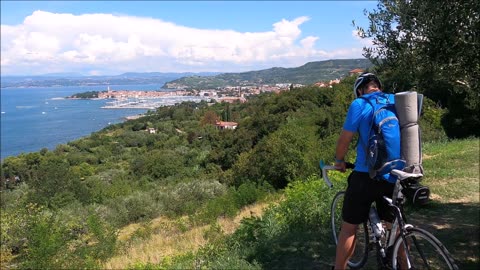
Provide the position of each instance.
(73, 79)
(160, 74)
(307, 74)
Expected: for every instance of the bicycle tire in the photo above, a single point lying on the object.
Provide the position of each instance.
(424, 252)
(360, 253)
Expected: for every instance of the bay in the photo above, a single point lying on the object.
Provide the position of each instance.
(40, 117)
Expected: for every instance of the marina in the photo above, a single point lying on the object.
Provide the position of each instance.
(149, 103)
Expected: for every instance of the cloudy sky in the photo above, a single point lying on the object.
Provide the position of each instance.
(108, 38)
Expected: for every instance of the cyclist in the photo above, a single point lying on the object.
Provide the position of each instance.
(361, 190)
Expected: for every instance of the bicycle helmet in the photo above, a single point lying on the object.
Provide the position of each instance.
(364, 79)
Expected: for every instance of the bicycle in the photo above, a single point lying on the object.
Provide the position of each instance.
(403, 246)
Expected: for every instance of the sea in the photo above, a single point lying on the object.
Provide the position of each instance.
(41, 117)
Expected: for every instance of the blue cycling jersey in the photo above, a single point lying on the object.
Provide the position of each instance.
(358, 120)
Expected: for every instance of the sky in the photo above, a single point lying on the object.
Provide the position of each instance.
(113, 37)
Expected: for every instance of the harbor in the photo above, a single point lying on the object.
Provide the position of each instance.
(150, 103)
(150, 100)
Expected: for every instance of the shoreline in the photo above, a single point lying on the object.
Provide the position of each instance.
(128, 107)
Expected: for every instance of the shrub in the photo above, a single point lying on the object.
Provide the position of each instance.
(249, 192)
(300, 222)
(187, 197)
(56, 240)
(222, 206)
(139, 206)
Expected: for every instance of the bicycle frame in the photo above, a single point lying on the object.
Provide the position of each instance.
(399, 226)
(396, 250)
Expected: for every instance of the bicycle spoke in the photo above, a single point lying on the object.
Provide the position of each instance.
(423, 251)
(420, 251)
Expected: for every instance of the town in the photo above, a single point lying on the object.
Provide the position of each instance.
(176, 93)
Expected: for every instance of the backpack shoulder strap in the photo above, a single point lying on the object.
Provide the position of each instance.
(372, 121)
(369, 102)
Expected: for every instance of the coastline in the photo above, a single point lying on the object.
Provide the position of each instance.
(133, 117)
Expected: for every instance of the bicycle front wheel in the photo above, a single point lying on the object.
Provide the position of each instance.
(423, 251)
(360, 253)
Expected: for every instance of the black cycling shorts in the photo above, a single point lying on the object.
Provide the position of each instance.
(361, 192)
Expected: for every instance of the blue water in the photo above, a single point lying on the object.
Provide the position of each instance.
(34, 118)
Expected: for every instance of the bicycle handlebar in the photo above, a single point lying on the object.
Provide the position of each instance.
(400, 174)
(324, 168)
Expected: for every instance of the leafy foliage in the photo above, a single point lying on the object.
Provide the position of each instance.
(433, 48)
(62, 208)
(85, 190)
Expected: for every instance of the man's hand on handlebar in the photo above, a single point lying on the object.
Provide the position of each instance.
(341, 166)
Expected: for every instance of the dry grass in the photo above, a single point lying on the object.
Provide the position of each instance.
(230, 225)
(167, 238)
(171, 237)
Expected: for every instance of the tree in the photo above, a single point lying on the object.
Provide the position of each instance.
(209, 118)
(434, 47)
(279, 158)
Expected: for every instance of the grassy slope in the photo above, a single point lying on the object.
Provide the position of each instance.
(451, 172)
(162, 237)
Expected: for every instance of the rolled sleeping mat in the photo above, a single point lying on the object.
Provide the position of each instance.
(411, 148)
(406, 105)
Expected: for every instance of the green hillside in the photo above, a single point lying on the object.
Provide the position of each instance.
(307, 74)
(294, 232)
(68, 205)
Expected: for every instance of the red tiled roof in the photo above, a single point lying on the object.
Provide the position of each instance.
(357, 70)
(221, 123)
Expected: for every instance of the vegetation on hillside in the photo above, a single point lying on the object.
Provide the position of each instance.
(70, 202)
(307, 74)
(86, 95)
(64, 208)
(434, 49)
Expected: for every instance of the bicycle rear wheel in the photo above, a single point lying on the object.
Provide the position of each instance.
(360, 254)
(424, 252)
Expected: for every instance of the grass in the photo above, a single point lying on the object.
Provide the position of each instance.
(451, 172)
(151, 242)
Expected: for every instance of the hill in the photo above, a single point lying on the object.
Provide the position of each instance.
(72, 79)
(300, 239)
(61, 209)
(307, 74)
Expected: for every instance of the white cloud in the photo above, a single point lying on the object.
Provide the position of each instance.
(367, 42)
(96, 42)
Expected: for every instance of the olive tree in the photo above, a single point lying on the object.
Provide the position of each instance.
(432, 47)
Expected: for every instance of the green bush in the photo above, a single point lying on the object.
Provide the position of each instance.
(132, 208)
(222, 206)
(299, 223)
(140, 206)
(187, 197)
(56, 240)
(232, 261)
(430, 122)
(250, 192)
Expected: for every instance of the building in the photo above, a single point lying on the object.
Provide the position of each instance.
(327, 84)
(356, 71)
(232, 99)
(226, 125)
(151, 130)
